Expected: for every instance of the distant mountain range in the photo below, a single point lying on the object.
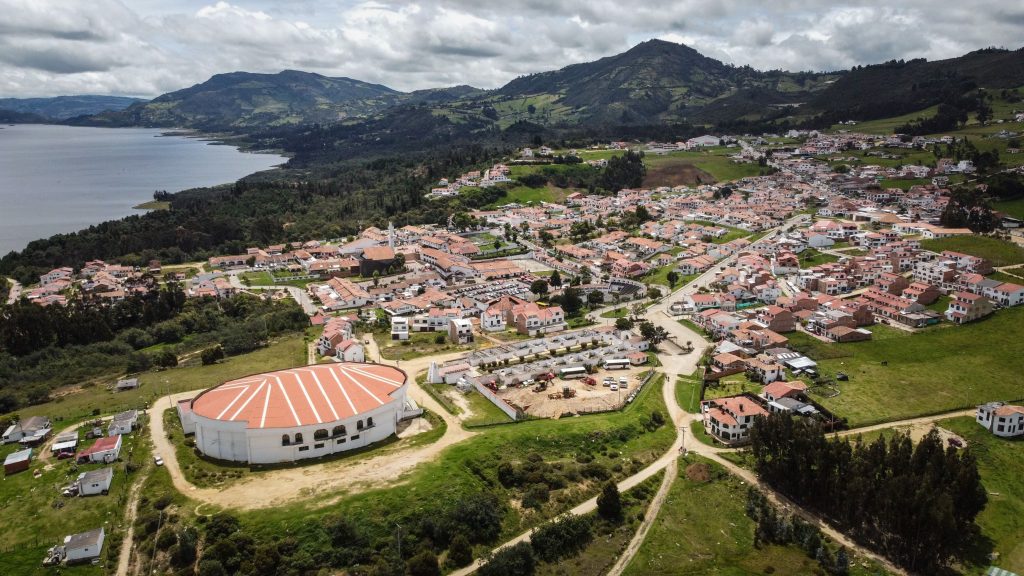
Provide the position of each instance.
(64, 107)
(655, 82)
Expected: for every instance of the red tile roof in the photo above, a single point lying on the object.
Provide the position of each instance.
(301, 396)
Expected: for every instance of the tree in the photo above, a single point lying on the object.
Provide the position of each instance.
(166, 359)
(460, 553)
(555, 279)
(623, 323)
(571, 301)
(546, 238)
(842, 564)
(423, 564)
(515, 560)
(609, 503)
(595, 298)
(672, 278)
(376, 278)
(653, 293)
(539, 287)
(212, 355)
(562, 538)
(497, 244)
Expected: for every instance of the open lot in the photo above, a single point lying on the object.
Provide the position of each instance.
(674, 168)
(934, 371)
(596, 398)
(999, 252)
(702, 529)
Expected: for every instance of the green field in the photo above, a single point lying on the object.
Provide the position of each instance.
(152, 205)
(268, 279)
(660, 276)
(283, 352)
(1014, 208)
(885, 125)
(715, 162)
(934, 371)
(702, 529)
(688, 393)
(811, 257)
(527, 195)
(999, 252)
(419, 344)
(484, 411)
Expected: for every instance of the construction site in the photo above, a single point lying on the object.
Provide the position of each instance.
(551, 396)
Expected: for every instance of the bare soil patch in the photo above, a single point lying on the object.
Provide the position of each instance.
(676, 175)
(698, 472)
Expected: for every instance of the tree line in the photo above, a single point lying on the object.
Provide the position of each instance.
(915, 504)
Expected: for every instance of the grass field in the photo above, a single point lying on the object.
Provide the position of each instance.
(34, 524)
(811, 257)
(284, 352)
(688, 393)
(419, 344)
(484, 411)
(152, 205)
(714, 162)
(527, 195)
(1014, 208)
(886, 125)
(934, 371)
(267, 279)
(660, 276)
(702, 529)
(999, 252)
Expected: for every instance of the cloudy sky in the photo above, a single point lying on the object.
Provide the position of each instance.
(148, 47)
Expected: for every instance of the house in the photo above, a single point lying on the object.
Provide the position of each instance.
(448, 374)
(782, 389)
(123, 423)
(730, 419)
(95, 481)
(460, 330)
(1006, 294)
(29, 432)
(966, 307)
(68, 441)
(105, 449)
(776, 319)
(532, 320)
(350, 351)
(637, 358)
(399, 328)
(376, 259)
(1003, 420)
(17, 461)
(83, 547)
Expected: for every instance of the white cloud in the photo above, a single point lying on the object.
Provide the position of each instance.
(148, 47)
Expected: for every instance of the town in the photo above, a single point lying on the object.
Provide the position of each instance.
(747, 289)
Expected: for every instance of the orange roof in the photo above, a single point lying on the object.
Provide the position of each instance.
(301, 396)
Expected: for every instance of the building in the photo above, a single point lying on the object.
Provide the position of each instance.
(68, 441)
(350, 351)
(460, 331)
(188, 424)
(29, 432)
(533, 320)
(966, 307)
(123, 423)
(83, 547)
(17, 461)
(729, 419)
(1003, 420)
(299, 413)
(95, 481)
(105, 449)
(399, 328)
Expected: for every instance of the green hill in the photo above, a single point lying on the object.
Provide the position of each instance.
(243, 99)
(64, 107)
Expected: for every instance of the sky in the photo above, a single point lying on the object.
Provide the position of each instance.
(148, 47)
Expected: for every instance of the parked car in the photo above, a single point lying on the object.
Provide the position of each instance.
(614, 387)
(65, 454)
(158, 460)
(623, 380)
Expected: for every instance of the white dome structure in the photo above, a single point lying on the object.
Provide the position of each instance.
(299, 413)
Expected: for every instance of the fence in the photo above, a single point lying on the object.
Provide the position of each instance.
(501, 404)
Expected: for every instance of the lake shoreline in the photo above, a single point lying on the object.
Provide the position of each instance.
(84, 176)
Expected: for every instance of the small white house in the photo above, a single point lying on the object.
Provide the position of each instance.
(123, 423)
(106, 449)
(399, 328)
(95, 481)
(1001, 419)
(350, 351)
(83, 547)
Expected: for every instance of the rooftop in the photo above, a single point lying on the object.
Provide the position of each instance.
(301, 396)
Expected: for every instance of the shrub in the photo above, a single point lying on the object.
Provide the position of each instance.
(460, 553)
(562, 538)
(609, 503)
(512, 561)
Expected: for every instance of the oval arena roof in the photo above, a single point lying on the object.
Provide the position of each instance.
(303, 396)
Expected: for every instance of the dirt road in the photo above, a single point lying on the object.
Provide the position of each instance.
(131, 510)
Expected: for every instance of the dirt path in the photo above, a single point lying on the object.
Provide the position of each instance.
(336, 479)
(671, 472)
(131, 510)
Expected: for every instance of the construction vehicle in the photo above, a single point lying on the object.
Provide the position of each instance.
(590, 381)
(568, 392)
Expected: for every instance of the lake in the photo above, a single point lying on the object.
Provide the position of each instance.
(57, 179)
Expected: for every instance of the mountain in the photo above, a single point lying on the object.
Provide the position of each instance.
(655, 83)
(64, 107)
(243, 99)
(15, 117)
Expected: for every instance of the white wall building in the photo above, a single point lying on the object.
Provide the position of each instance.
(299, 413)
(1003, 420)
